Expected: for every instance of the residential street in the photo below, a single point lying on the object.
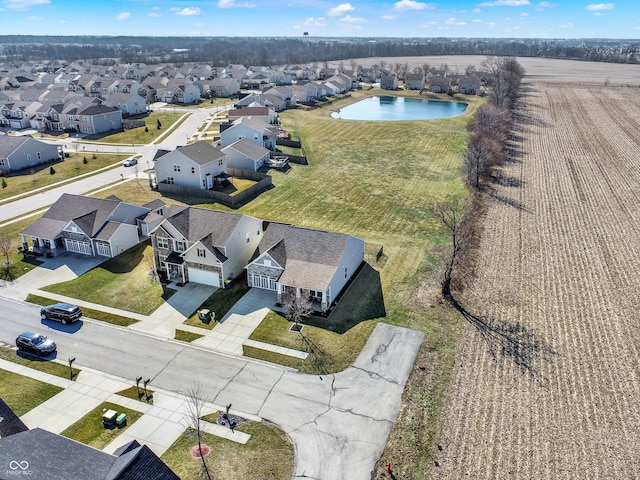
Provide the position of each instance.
(338, 423)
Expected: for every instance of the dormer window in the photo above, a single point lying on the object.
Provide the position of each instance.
(181, 245)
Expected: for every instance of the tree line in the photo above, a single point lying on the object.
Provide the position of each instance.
(221, 51)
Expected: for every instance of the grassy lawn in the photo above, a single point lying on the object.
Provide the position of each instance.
(267, 455)
(41, 364)
(87, 312)
(132, 392)
(220, 303)
(90, 431)
(23, 394)
(19, 265)
(236, 186)
(185, 336)
(121, 282)
(23, 181)
(138, 136)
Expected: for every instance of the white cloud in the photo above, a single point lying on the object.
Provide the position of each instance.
(350, 19)
(25, 4)
(476, 10)
(476, 20)
(547, 5)
(233, 4)
(123, 16)
(340, 10)
(491, 24)
(156, 8)
(566, 25)
(506, 3)
(596, 7)
(453, 21)
(315, 22)
(600, 14)
(429, 24)
(153, 14)
(62, 22)
(411, 5)
(187, 11)
(524, 14)
(387, 17)
(35, 19)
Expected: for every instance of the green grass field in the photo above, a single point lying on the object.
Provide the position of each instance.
(23, 394)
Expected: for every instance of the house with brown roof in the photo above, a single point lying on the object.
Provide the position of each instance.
(204, 246)
(299, 261)
(89, 226)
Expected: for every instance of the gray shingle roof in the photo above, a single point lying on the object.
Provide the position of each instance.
(10, 423)
(248, 148)
(9, 144)
(201, 152)
(197, 223)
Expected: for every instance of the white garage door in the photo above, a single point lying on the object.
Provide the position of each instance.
(77, 247)
(202, 276)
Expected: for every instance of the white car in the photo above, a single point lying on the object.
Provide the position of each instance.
(130, 162)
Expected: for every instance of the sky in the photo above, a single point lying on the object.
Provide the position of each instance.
(321, 18)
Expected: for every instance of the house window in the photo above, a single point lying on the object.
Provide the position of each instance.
(39, 155)
(2, 162)
(258, 232)
(220, 162)
(176, 168)
(28, 156)
(181, 245)
(162, 260)
(201, 252)
(248, 238)
(162, 242)
(345, 272)
(193, 169)
(170, 180)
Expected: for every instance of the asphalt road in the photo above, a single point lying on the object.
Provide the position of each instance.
(338, 423)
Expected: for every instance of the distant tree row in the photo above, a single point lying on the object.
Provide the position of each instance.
(220, 51)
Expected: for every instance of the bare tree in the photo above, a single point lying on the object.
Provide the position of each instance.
(6, 246)
(469, 70)
(154, 276)
(195, 404)
(297, 307)
(450, 213)
(425, 68)
(482, 155)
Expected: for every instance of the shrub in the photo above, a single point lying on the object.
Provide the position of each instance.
(4, 183)
(51, 171)
(85, 161)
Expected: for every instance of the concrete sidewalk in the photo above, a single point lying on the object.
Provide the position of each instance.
(159, 426)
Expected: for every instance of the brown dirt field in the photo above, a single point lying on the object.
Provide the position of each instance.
(549, 388)
(537, 69)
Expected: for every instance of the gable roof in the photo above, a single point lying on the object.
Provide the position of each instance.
(200, 224)
(88, 213)
(201, 152)
(10, 143)
(9, 422)
(248, 148)
(309, 257)
(54, 457)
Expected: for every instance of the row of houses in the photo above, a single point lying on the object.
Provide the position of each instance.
(203, 246)
(438, 83)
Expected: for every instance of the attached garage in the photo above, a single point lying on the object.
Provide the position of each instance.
(205, 277)
(78, 247)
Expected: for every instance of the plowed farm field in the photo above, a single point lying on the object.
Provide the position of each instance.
(547, 379)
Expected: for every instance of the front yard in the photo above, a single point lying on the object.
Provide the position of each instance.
(122, 282)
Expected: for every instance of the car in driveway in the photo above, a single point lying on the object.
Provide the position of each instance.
(130, 162)
(35, 343)
(61, 312)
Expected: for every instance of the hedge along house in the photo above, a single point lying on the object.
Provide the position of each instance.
(89, 226)
(301, 261)
(204, 246)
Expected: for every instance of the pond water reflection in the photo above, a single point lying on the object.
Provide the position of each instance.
(390, 108)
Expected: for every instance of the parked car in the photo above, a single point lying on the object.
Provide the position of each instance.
(61, 312)
(35, 343)
(130, 162)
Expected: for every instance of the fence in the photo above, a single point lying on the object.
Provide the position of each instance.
(263, 182)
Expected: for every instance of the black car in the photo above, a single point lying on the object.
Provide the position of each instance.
(35, 343)
(62, 312)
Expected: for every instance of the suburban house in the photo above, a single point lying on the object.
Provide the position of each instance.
(389, 82)
(414, 81)
(301, 261)
(439, 85)
(224, 87)
(246, 155)
(52, 456)
(178, 91)
(90, 115)
(17, 153)
(469, 85)
(90, 226)
(199, 165)
(18, 115)
(266, 114)
(127, 103)
(254, 129)
(204, 246)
